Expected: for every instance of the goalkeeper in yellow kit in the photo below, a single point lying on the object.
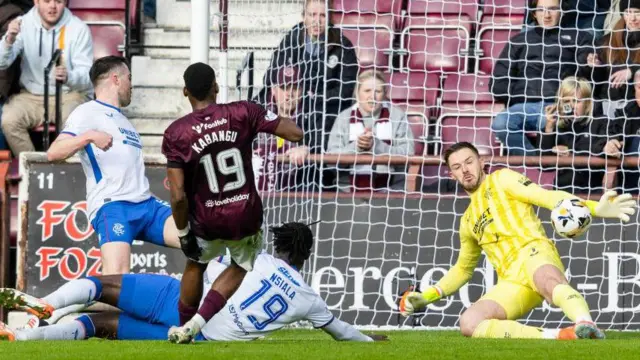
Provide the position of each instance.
(501, 221)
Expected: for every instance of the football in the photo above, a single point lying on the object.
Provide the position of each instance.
(571, 218)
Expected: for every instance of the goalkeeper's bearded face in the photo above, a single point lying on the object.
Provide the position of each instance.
(467, 169)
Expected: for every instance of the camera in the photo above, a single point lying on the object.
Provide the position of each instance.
(567, 109)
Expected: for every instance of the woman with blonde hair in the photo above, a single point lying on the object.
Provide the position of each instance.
(372, 126)
(571, 130)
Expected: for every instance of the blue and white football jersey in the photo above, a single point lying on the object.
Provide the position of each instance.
(271, 296)
(117, 174)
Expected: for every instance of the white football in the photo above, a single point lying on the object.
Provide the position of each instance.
(571, 218)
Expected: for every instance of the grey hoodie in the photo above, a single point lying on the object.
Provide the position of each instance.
(36, 45)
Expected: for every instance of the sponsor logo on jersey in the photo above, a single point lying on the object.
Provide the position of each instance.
(200, 127)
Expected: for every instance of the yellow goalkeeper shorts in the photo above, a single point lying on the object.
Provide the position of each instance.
(515, 290)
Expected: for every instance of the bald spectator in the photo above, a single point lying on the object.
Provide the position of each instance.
(49, 25)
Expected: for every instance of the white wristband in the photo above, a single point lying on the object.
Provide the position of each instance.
(184, 232)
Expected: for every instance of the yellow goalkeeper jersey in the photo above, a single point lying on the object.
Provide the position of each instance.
(500, 220)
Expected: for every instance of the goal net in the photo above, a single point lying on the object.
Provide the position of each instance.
(388, 223)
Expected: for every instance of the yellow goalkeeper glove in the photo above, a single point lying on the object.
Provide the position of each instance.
(414, 301)
(614, 206)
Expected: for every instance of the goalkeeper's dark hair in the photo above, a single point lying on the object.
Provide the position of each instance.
(457, 147)
(293, 240)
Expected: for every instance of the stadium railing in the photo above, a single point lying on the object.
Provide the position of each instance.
(416, 163)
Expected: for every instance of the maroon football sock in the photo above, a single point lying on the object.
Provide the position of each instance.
(186, 312)
(211, 305)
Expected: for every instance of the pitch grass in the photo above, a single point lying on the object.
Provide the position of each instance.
(312, 345)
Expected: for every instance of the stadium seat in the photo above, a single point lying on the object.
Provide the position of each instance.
(434, 43)
(107, 40)
(369, 7)
(444, 8)
(493, 36)
(462, 92)
(417, 94)
(504, 11)
(113, 10)
(474, 128)
(371, 36)
(107, 22)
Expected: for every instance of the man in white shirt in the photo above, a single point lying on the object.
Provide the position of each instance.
(271, 296)
(121, 207)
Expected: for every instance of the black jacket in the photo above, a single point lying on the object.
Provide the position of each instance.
(533, 63)
(340, 73)
(626, 122)
(601, 74)
(583, 139)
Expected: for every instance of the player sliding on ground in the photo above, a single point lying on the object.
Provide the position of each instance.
(501, 221)
(272, 296)
(214, 200)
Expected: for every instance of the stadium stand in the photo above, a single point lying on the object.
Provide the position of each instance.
(437, 55)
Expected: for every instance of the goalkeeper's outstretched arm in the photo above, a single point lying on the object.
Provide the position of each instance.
(521, 188)
(455, 278)
(462, 271)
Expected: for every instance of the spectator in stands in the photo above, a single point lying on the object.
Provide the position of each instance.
(624, 136)
(587, 15)
(527, 75)
(8, 76)
(306, 46)
(572, 130)
(47, 26)
(284, 100)
(372, 126)
(616, 60)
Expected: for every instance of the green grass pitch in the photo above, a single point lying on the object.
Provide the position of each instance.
(312, 345)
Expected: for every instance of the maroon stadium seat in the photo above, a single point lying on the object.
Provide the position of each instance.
(444, 8)
(107, 40)
(472, 128)
(436, 43)
(462, 92)
(492, 38)
(114, 9)
(370, 7)
(96, 4)
(501, 11)
(107, 22)
(371, 36)
(414, 88)
(417, 94)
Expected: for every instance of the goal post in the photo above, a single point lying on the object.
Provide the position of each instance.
(437, 60)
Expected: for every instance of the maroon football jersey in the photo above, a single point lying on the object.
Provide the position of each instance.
(213, 147)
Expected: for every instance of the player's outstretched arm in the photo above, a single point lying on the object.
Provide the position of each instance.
(611, 205)
(288, 130)
(455, 278)
(66, 144)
